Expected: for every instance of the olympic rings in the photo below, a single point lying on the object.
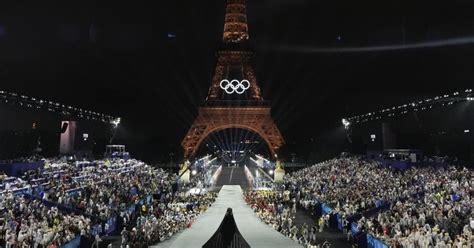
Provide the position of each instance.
(235, 86)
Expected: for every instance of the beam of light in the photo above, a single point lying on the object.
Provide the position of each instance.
(382, 48)
(234, 141)
(255, 137)
(215, 141)
(256, 147)
(218, 143)
(227, 141)
(222, 142)
(242, 136)
(242, 146)
(236, 137)
(220, 146)
(230, 140)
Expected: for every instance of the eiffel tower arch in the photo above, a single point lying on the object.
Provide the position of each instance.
(234, 99)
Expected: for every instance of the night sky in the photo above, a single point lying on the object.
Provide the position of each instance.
(151, 62)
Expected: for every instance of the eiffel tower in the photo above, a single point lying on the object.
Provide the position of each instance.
(234, 99)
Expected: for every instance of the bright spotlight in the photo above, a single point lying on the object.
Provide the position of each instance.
(194, 172)
(116, 122)
(270, 172)
(346, 123)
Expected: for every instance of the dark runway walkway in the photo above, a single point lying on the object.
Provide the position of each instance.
(333, 236)
(233, 176)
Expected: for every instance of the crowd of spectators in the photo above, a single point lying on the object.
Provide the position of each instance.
(427, 205)
(107, 189)
(440, 216)
(277, 209)
(164, 219)
(29, 223)
(424, 206)
(50, 206)
(349, 185)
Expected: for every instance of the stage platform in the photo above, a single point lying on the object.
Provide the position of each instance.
(254, 231)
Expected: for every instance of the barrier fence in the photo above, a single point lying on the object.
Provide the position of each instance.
(373, 242)
(337, 221)
(14, 169)
(75, 243)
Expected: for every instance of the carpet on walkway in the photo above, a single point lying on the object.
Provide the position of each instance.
(254, 231)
